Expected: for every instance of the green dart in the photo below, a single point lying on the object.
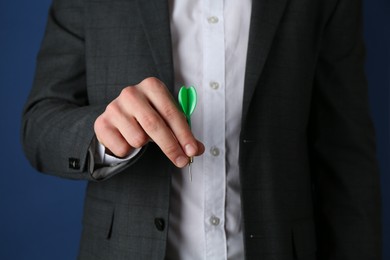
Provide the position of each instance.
(187, 100)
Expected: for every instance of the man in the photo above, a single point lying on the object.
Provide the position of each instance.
(288, 169)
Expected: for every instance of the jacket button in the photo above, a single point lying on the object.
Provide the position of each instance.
(159, 223)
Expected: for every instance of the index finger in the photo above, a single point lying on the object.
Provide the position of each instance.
(163, 102)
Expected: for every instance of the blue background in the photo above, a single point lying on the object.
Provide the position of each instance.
(40, 216)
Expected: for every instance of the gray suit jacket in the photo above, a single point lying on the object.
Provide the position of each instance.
(308, 171)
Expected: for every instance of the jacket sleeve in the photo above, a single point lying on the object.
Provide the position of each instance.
(342, 142)
(57, 121)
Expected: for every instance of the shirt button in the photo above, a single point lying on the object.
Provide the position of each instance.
(214, 85)
(214, 151)
(213, 19)
(214, 221)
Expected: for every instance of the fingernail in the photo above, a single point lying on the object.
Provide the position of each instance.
(190, 150)
(181, 161)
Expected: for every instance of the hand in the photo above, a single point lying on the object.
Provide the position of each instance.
(147, 112)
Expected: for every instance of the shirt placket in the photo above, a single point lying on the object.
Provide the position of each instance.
(214, 128)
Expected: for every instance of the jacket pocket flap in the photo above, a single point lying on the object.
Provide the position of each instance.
(99, 213)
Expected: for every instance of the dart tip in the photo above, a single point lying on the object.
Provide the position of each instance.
(189, 171)
(189, 167)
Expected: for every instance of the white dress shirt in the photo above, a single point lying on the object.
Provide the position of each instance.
(209, 40)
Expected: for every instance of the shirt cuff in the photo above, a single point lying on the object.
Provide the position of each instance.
(102, 166)
(109, 160)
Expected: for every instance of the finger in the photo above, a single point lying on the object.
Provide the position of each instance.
(201, 148)
(162, 135)
(131, 131)
(136, 105)
(162, 101)
(111, 138)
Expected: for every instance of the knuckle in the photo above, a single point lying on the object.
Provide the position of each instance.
(172, 150)
(112, 109)
(170, 112)
(139, 140)
(153, 84)
(150, 122)
(151, 81)
(128, 93)
(100, 124)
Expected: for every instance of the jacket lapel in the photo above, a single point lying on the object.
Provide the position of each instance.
(265, 18)
(156, 24)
